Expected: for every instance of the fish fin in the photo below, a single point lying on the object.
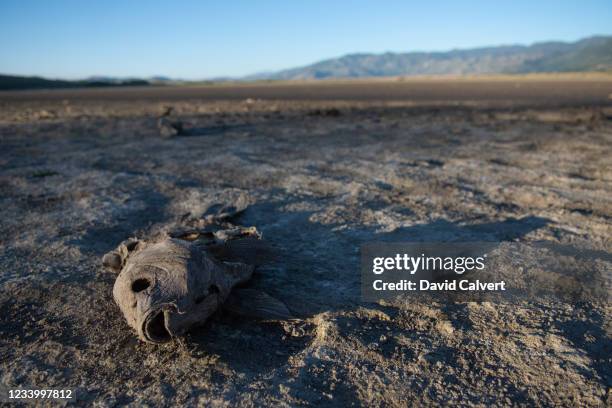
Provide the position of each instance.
(256, 304)
(192, 234)
(224, 212)
(250, 251)
(229, 211)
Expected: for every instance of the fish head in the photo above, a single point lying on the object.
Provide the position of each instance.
(166, 287)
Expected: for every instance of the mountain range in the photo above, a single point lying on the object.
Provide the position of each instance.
(589, 54)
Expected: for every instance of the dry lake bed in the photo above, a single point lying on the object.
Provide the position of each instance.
(325, 167)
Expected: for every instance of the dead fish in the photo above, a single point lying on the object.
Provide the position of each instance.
(169, 128)
(177, 281)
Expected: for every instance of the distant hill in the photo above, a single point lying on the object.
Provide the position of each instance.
(12, 82)
(590, 54)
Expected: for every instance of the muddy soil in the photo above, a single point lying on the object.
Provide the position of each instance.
(78, 177)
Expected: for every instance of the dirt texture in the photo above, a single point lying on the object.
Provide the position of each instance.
(79, 176)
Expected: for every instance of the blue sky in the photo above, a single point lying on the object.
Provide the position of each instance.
(203, 39)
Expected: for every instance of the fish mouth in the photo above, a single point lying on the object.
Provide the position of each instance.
(155, 327)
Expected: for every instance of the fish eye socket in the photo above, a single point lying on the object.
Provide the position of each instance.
(140, 284)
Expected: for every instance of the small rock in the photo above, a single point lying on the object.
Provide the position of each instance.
(45, 114)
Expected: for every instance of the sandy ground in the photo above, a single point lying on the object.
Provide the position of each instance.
(80, 174)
